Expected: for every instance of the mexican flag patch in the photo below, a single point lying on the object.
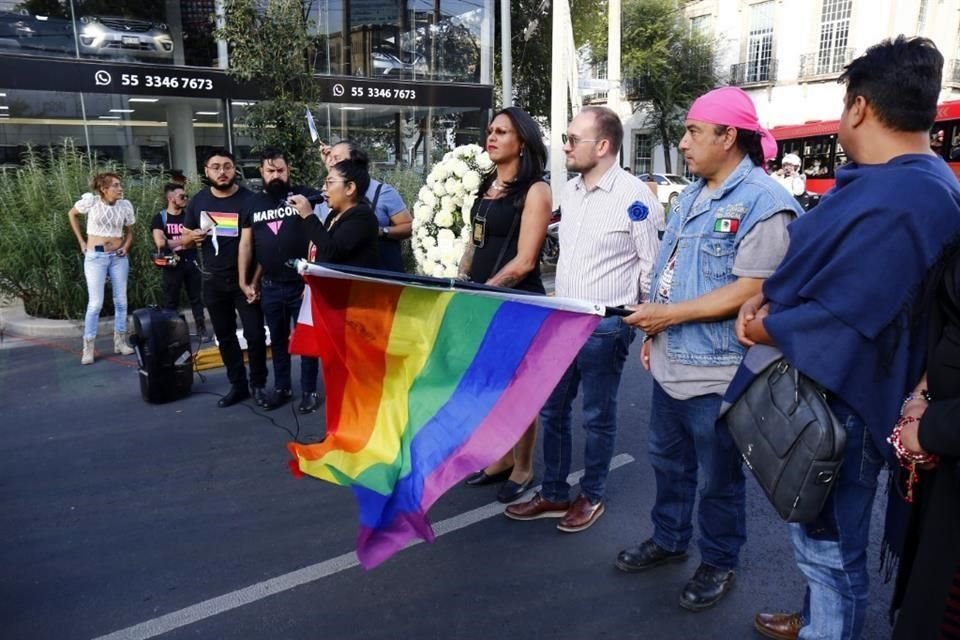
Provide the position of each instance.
(726, 225)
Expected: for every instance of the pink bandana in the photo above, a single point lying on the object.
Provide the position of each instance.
(731, 106)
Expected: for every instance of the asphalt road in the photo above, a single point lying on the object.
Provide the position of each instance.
(127, 520)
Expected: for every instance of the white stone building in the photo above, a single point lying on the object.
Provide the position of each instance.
(788, 54)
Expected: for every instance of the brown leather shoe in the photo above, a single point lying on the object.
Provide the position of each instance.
(581, 515)
(780, 626)
(537, 507)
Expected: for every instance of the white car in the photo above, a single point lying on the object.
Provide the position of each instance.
(669, 186)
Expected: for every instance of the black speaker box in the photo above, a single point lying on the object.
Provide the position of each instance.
(161, 340)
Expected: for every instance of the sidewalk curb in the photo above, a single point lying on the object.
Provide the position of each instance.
(16, 322)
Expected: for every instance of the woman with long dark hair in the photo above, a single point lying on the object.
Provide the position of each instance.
(508, 224)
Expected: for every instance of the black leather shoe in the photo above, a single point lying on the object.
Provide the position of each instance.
(235, 395)
(260, 396)
(510, 490)
(310, 402)
(480, 478)
(278, 398)
(647, 555)
(706, 587)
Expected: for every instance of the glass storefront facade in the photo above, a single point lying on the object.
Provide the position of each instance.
(141, 82)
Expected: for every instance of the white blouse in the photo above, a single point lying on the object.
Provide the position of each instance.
(105, 220)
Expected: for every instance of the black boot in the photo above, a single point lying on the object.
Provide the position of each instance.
(310, 402)
(260, 396)
(278, 398)
(706, 587)
(236, 394)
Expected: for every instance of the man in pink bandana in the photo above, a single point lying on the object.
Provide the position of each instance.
(727, 232)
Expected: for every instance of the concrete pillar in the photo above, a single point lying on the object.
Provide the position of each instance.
(181, 140)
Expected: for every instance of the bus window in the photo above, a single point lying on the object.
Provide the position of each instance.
(937, 139)
(840, 158)
(953, 153)
(817, 156)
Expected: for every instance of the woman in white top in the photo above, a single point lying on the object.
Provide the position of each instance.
(110, 221)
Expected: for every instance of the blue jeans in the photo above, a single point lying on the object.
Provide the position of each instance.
(686, 438)
(281, 307)
(832, 551)
(598, 366)
(96, 265)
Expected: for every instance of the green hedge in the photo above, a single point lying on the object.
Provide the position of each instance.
(40, 262)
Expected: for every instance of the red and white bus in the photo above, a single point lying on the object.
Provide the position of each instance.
(820, 152)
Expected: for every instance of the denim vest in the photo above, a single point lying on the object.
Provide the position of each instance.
(706, 239)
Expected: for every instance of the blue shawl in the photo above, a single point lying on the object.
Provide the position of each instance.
(842, 300)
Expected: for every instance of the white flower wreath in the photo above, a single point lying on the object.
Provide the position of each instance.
(441, 216)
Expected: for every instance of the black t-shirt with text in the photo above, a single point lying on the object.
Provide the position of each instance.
(226, 213)
(173, 230)
(279, 233)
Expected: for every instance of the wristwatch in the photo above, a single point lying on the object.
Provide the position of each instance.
(384, 232)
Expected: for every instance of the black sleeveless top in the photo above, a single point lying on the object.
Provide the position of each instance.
(499, 214)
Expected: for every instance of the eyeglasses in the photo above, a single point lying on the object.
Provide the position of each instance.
(329, 181)
(182, 195)
(216, 168)
(575, 140)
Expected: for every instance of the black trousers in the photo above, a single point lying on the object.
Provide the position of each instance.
(185, 275)
(224, 302)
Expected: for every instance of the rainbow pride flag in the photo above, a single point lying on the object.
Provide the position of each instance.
(424, 386)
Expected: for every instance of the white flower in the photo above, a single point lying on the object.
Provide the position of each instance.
(459, 168)
(444, 219)
(438, 189)
(451, 271)
(446, 204)
(437, 270)
(445, 238)
(484, 162)
(471, 181)
(425, 195)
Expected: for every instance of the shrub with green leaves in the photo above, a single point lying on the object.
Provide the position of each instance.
(40, 261)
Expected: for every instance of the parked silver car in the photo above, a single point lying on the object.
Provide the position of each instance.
(118, 37)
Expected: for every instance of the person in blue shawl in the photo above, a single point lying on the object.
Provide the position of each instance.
(841, 309)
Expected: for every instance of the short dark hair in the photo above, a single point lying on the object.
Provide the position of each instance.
(219, 151)
(748, 142)
(357, 173)
(271, 153)
(900, 79)
(170, 187)
(357, 154)
(608, 126)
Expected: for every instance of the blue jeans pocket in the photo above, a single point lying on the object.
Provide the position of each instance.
(870, 462)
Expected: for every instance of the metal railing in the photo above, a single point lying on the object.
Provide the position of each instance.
(826, 62)
(752, 73)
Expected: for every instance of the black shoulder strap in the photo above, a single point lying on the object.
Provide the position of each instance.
(376, 197)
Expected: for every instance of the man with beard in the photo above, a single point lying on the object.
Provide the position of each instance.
(220, 203)
(273, 231)
(608, 240)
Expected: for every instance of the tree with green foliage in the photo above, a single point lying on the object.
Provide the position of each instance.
(666, 65)
(271, 48)
(531, 22)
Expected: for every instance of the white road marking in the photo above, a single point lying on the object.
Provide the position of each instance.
(273, 586)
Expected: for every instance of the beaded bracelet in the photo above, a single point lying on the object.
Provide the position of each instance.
(909, 459)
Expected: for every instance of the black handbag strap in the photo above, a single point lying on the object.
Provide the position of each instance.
(376, 197)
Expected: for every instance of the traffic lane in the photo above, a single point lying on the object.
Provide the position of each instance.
(237, 529)
(115, 509)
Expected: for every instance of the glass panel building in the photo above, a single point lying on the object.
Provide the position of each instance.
(143, 83)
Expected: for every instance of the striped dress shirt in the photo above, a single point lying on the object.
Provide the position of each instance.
(606, 257)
